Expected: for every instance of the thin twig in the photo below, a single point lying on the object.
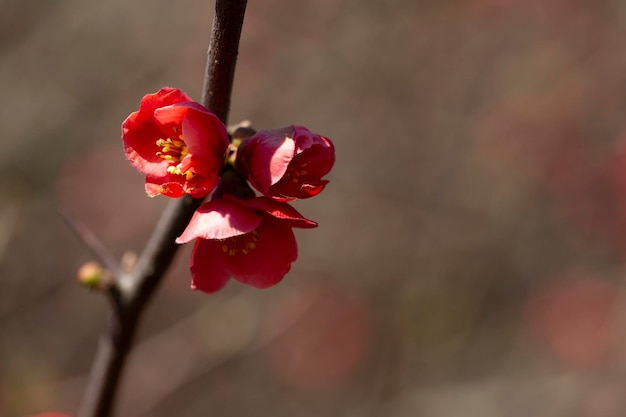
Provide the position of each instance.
(139, 286)
(92, 242)
(100, 251)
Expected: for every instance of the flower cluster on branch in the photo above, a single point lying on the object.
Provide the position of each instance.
(184, 149)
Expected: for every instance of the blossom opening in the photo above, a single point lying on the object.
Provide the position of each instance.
(242, 243)
(176, 143)
(174, 151)
(294, 173)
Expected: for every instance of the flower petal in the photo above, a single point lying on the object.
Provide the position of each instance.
(200, 126)
(205, 137)
(164, 97)
(202, 131)
(140, 131)
(266, 156)
(267, 263)
(208, 273)
(278, 210)
(140, 147)
(220, 219)
(315, 157)
(170, 187)
(317, 151)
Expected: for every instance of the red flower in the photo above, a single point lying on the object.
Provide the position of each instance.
(249, 240)
(286, 163)
(177, 143)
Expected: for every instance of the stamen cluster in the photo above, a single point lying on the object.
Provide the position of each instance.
(182, 148)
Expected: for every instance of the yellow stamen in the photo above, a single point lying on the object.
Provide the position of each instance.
(294, 174)
(174, 151)
(243, 243)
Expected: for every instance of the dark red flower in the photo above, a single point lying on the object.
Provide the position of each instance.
(249, 240)
(177, 143)
(286, 163)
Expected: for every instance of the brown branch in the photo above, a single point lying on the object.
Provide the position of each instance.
(138, 287)
(223, 49)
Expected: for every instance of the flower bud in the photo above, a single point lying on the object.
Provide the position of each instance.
(92, 275)
(286, 163)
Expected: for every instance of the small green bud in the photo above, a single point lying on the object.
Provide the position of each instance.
(92, 275)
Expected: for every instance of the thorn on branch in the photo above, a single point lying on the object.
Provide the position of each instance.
(102, 276)
(92, 242)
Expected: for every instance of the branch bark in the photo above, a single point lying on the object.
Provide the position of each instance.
(137, 288)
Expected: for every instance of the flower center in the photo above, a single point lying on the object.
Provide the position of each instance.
(243, 243)
(174, 151)
(294, 173)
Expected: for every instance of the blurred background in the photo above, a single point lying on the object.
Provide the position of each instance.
(469, 259)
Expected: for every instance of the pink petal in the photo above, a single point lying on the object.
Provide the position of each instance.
(164, 97)
(315, 157)
(319, 158)
(267, 155)
(140, 131)
(305, 139)
(220, 219)
(170, 186)
(168, 117)
(305, 189)
(139, 138)
(208, 273)
(205, 134)
(267, 263)
(278, 210)
(200, 187)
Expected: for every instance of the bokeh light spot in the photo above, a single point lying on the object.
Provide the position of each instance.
(574, 319)
(321, 335)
